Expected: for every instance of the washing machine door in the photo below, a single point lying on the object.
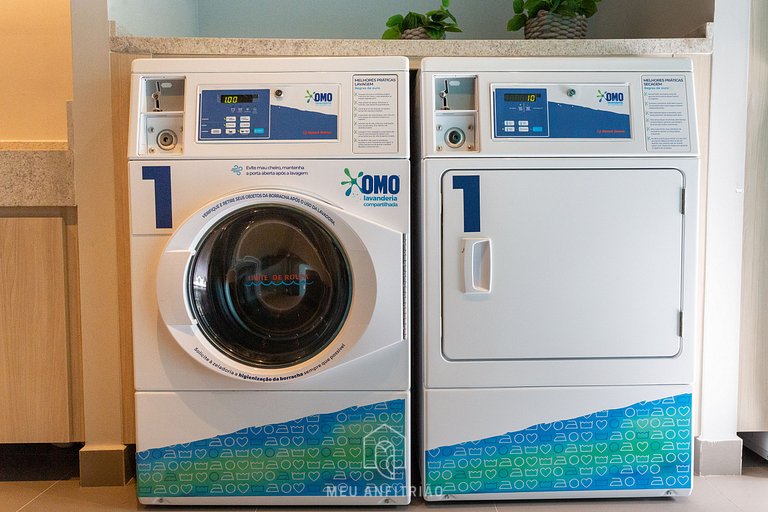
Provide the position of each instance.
(269, 287)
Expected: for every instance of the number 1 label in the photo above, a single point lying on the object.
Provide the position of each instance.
(471, 187)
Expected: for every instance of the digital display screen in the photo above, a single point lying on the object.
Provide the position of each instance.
(231, 99)
(522, 98)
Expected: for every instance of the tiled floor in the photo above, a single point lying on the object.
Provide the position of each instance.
(746, 493)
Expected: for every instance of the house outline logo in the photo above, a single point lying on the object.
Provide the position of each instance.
(384, 451)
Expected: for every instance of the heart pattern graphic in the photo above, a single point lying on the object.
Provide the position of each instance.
(310, 456)
(646, 445)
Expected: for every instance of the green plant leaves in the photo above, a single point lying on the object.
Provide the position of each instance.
(437, 15)
(391, 33)
(534, 6)
(435, 33)
(588, 8)
(413, 20)
(395, 20)
(517, 22)
(525, 9)
(446, 4)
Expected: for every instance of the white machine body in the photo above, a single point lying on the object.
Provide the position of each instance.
(559, 220)
(269, 274)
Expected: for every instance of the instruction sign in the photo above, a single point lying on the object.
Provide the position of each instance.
(665, 104)
(374, 114)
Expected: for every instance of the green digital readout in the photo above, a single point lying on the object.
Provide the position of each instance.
(522, 98)
(231, 99)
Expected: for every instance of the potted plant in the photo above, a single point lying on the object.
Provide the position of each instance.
(552, 19)
(431, 25)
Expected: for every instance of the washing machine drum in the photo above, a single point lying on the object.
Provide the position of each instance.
(270, 286)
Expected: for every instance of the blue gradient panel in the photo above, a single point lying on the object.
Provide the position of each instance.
(294, 124)
(358, 451)
(574, 122)
(646, 445)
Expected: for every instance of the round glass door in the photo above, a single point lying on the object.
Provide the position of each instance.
(270, 286)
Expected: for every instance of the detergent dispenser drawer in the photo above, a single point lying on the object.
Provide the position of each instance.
(562, 264)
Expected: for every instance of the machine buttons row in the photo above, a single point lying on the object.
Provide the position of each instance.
(512, 123)
(231, 126)
(245, 130)
(523, 128)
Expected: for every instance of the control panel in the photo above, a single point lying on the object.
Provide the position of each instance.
(521, 113)
(561, 111)
(296, 112)
(238, 114)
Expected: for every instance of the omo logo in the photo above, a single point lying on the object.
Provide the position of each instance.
(612, 98)
(319, 98)
(376, 184)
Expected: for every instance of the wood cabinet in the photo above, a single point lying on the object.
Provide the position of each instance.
(39, 376)
(753, 374)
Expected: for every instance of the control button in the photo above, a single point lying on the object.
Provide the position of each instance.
(523, 123)
(245, 125)
(509, 123)
(230, 118)
(246, 131)
(230, 125)
(245, 118)
(538, 129)
(258, 131)
(524, 129)
(231, 131)
(509, 129)
(216, 131)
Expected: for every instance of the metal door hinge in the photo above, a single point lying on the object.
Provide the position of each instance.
(682, 201)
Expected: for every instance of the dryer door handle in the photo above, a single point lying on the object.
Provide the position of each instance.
(478, 265)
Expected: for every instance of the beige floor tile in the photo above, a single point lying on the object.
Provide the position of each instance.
(14, 495)
(68, 496)
(712, 494)
(748, 492)
(454, 506)
(705, 498)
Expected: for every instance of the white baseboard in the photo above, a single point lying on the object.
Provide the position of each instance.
(720, 457)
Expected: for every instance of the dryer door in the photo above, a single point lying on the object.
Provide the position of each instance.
(268, 286)
(561, 264)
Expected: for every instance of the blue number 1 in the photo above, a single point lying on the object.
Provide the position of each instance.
(471, 187)
(161, 175)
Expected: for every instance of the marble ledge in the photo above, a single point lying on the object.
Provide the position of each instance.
(169, 46)
(36, 174)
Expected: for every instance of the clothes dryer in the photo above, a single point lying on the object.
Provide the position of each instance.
(559, 219)
(269, 270)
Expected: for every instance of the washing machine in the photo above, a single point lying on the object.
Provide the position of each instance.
(270, 219)
(558, 267)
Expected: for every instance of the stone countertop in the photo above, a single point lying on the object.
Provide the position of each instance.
(412, 49)
(37, 173)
